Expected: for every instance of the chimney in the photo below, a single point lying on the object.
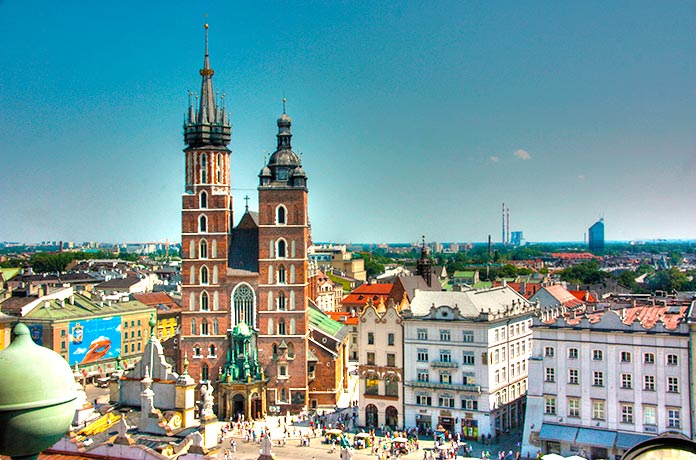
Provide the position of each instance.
(504, 282)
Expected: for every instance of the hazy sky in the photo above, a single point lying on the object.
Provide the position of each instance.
(412, 117)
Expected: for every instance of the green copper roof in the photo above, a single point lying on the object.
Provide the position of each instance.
(82, 307)
(483, 285)
(241, 328)
(323, 322)
(9, 273)
(464, 274)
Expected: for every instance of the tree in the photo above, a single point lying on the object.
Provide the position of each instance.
(584, 273)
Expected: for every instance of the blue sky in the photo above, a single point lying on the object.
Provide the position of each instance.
(412, 117)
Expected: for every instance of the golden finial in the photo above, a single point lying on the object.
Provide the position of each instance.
(205, 25)
(284, 101)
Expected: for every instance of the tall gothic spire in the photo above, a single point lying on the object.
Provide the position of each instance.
(206, 111)
(206, 124)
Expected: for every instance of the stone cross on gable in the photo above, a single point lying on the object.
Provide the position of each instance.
(246, 200)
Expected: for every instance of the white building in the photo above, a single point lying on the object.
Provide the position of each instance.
(465, 355)
(604, 381)
(381, 369)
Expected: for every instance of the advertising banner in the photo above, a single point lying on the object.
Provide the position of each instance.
(36, 332)
(94, 339)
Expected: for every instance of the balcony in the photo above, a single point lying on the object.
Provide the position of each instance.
(445, 386)
(445, 364)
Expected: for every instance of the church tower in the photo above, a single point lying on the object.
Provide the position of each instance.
(284, 239)
(206, 226)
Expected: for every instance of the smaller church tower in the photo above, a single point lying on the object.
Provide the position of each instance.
(424, 266)
(283, 263)
(206, 226)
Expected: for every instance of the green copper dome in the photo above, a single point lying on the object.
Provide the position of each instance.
(241, 328)
(36, 401)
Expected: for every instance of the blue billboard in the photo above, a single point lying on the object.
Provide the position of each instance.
(93, 340)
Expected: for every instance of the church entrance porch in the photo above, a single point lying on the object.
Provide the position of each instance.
(238, 406)
(244, 400)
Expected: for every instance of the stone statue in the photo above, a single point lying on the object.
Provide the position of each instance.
(265, 452)
(207, 397)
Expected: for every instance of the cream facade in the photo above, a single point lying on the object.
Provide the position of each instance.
(466, 356)
(380, 336)
(606, 381)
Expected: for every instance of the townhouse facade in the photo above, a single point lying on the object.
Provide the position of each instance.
(608, 379)
(465, 355)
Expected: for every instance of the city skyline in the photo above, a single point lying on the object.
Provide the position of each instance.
(411, 121)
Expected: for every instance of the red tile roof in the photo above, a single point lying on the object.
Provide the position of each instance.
(563, 296)
(585, 296)
(574, 255)
(365, 292)
(529, 289)
(343, 317)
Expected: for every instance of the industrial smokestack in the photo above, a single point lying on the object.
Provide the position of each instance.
(503, 218)
(507, 226)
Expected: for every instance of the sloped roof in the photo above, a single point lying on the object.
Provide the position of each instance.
(343, 317)
(244, 245)
(319, 320)
(470, 302)
(118, 283)
(563, 296)
(585, 296)
(378, 292)
(9, 273)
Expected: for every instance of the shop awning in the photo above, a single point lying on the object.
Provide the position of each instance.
(552, 432)
(628, 440)
(597, 438)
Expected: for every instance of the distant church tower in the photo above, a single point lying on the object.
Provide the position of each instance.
(424, 265)
(206, 226)
(283, 263)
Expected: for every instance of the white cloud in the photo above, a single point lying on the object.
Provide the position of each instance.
(522, 155)
(494, 159)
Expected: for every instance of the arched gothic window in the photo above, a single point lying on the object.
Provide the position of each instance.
(218, 168)
(281, 326)
(203, 224)
(216, 327)
(281, 300)
(282, 249)
(211, 350)
(243, 302)
(204, 200)
(194, 327)
(281, 213)
(205, 371)
(292, 326)
(291, 350)
(203, 249)
(204, 275)
(204, 327)
(204, 168)
(204, 301)
(281, 275)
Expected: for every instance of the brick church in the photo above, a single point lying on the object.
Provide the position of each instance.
(255, 273)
